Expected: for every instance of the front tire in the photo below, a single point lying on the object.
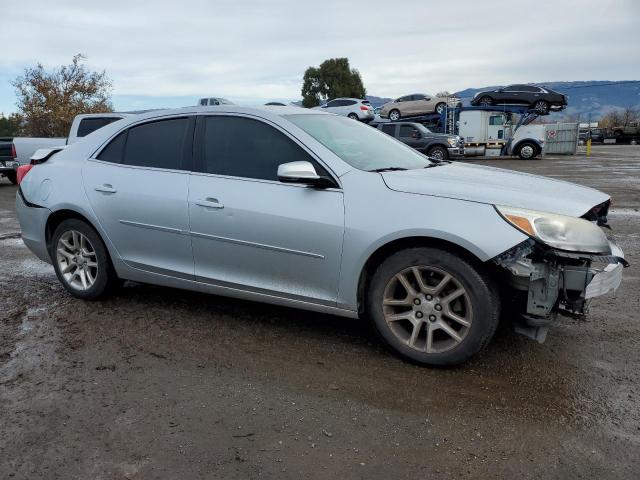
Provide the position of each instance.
(440, 108)
(81, 260)
(439, 153)
(432, 307)
(353, 116)
(394, 115)
(541, 106)
(527, 151)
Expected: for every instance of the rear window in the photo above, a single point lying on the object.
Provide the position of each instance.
(389, 129)
(157, 144)
(89, 125)
(113, 152)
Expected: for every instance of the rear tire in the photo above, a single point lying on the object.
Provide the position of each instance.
(438, 152)
(81, 260)
(440, 108)
(353, 116)
(485, 101)
(443, 317)
(394, 115)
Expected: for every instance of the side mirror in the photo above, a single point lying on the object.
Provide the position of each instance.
(302, 172)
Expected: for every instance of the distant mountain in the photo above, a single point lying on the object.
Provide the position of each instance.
(589, 97)
(377, 101)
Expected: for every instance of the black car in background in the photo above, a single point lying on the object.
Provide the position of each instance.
(541, 99)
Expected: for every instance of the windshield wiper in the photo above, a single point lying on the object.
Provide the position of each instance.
(388, 169)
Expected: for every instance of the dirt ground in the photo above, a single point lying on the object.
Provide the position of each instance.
(167, 384)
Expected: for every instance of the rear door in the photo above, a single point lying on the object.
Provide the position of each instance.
(252, 232)
(137, 186)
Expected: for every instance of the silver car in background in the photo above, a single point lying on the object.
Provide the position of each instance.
(354, 108)
(296, 207)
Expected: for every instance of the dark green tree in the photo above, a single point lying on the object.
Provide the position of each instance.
(333, 78)
(10, 126)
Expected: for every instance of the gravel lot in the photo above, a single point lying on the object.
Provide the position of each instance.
(160, 383)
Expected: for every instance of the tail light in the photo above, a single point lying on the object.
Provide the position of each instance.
(363, 108)
(13, 151)
(22, 171)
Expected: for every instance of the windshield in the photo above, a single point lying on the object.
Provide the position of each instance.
(359, 145)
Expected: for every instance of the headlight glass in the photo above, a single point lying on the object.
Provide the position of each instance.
(558, 231)
(452, 142)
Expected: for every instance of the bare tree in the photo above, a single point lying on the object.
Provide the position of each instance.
(48, 100)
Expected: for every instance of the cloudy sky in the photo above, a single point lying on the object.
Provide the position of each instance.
(169, 53)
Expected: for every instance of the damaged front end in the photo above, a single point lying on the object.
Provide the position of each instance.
(548, 280)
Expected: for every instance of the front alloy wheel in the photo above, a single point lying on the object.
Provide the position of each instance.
(427, 308)
(394, 115)
(432, 306)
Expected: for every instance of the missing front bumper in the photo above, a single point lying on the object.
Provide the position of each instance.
(557, 282)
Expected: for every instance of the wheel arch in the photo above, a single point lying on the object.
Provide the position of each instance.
(382, 252)
(59, 216)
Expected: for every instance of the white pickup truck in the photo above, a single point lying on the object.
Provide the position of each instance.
(82, 126)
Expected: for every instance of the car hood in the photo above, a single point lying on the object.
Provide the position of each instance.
(497, 186)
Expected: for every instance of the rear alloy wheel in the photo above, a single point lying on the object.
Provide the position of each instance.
(440, 108)
(527, 151)
(438, 153)
(432, 307)
(394, 115)
(81, 260)
(485, 101)
(353, 116)
(541, 107)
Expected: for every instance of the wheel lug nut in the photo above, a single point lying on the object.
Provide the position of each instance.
(438, 307)
(429, 297)
(432, 318)
(417, 301)
(419, 314)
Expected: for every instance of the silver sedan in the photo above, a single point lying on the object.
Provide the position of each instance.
(300, 208)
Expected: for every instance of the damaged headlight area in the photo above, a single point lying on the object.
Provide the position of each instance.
(546, 281)
(558, 231)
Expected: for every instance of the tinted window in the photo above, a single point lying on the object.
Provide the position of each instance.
(214, 101)
(333, 103)
(389, 129)
(418, 97)
(527, 88)
(366, 102)
(242, 147)
(346, 103)
(113, 151)
(157, 144)
(203, 102)
(88, 125)
(512, 88)
(404, 99)
(407, 130)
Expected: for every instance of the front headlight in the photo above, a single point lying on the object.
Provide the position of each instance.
(453, 142)
(558, 231)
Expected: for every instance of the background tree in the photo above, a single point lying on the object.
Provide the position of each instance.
(48, 100)
(620, 117)
(10, 126)
(333, 78)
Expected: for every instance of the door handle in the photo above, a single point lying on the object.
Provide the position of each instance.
(209, 202)
(105, 188)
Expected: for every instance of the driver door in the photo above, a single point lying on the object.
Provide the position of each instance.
(250, 231)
